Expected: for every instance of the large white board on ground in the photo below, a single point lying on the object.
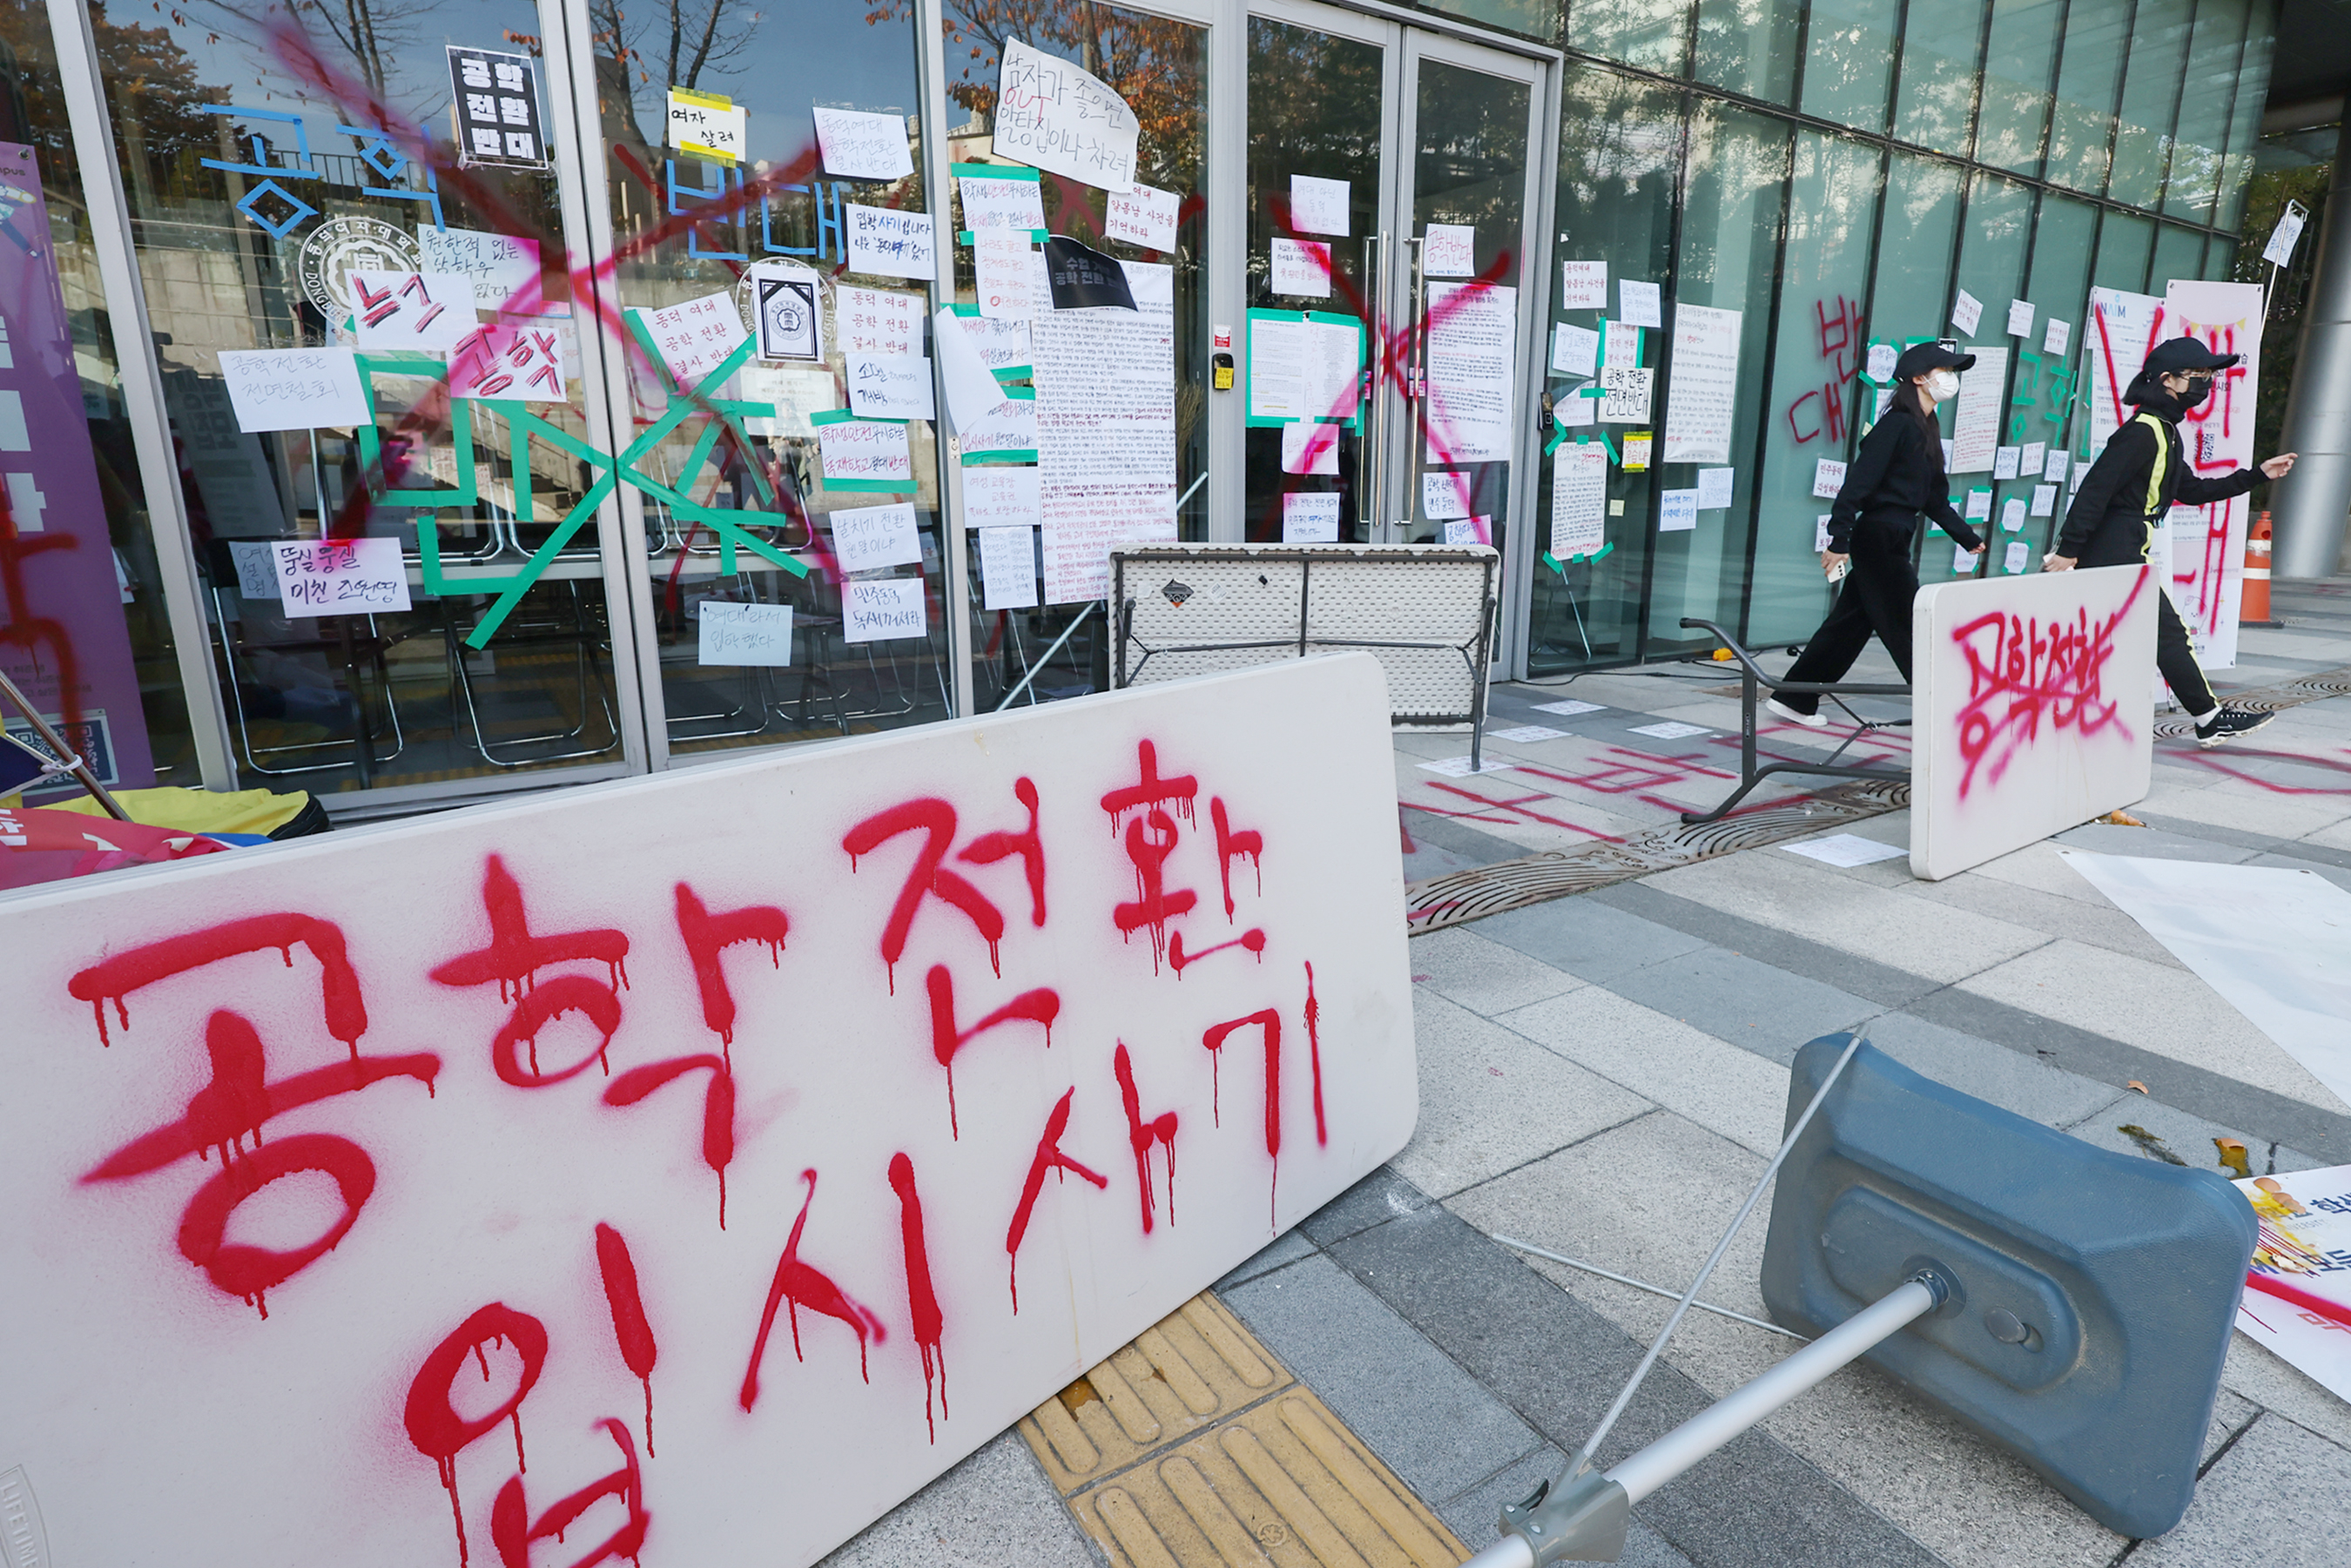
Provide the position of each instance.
(2208, 543)
(2032, 709)
(1106, 432)
(512, 1060)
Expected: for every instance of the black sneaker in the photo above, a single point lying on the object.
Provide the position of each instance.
(2228, 724)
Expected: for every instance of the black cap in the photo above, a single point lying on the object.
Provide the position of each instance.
(2177, 356)
(1918, 359)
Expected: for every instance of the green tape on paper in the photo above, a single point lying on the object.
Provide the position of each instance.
(994, 172)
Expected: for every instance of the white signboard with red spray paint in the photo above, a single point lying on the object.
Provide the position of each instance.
(694, 1166)
(2032, 709)
(2208, 543)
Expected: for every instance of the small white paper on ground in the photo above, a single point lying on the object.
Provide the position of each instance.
(1449, 250)
(2020, 317)
(1302, 267)
(743, 633)
(293, 389)
(891, 386)
(1640, 304)
(865, 538)
(1671, 730)
(1310, 518)
(1007, 567)
(1714, 487)
(1317, 206)
(885, 608)
(340, 577)
(1967, 313)
(1145, 217)
(1525, 734)
(1569, 707)
(1677, 511)
(1309, 446)
(1847, 850)
(1583, 286)
(1458, 767)
(860, 146)
(1574, 351)
(1828, 478)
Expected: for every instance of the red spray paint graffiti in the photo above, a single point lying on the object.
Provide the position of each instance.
(801, 1286)
(1141, 1136)
(433, 1425)
(630, 1330)
(706, 937)
(935, 821)
(717, 1113)
(2022, 676)
(922, 1300)
(1049, 1157)
(1269, 1023)
(1039, 1007)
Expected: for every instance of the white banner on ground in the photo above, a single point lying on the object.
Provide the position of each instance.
(2305, 1251)
(2034, 709)
(606, 1121)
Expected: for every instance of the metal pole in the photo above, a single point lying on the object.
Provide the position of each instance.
(62, 752)
(1046, 657)
(2310, 506)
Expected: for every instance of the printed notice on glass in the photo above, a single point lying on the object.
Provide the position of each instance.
(1302, 267)
(870, 454)
(1052, 116)
(494, 99)
(866, 538)
(1471, 329)
(294, 389)
(2034, 454)
(735, 633)
(1144, 217)
(1574, 351)
(2054, 466)
(1704, 385)
(787, 310)
(1000, 497)
(1310, 518)
(1677, 511)
(1318, 206)
(1583, 286)
(885, 608)
(1008, 567)
(1975, 433)
(1579, 498)
(1011, 199)
(1640, 304)
(1828, 478)
(889, 242)
(794, 391)
(1470, 531)
(1449, 250)
(1277, 368)
(340, 577)
(1625, 394)
(1334, 366)
(891, 386)
(1106, 432)
(1002, 345)
(1979, 507)
(857, 146)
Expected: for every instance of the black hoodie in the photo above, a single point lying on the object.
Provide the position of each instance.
(2133, 485)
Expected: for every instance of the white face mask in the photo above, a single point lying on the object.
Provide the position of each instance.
(1944, 385)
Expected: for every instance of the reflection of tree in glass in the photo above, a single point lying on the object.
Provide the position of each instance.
(667, 44)
(141, 64)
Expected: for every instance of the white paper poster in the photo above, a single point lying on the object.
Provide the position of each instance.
(1583, 286)
(1704, 385)
(1472, 330)
(731, 633)
(1828, 478)
(2053, 467)
(992, 203)
(707, 125)
(1054, 116)
(859, 146)
(426, 311)
(1310, 518)
(1470, 531)
(2017, 557)
(257, 570)
(1975, 432)
(2033, 455)
(1677, 511)
(973, 390)
(340, 577)
(695, 336)
(2208, 554)
(1963, 560)
(1883, 357)
(502, 269)
(890, 386)
(1967, 313)
(2056, 336)
(1145, 217)
(1626, 396)
(1309, 446)
(2121, 329)
(1318, 206)
(867, 538)
(1574, 351)
(1010, 430)
(2280, 248)
(1821, 532)
(2020, 317)
(1106, 432)
(294, 389)
(1277, 368)
(877, 321)
(509, 364)
(794, 391)
(2004, 461)
(1007, 567)
(1444, 495)
(1000, 496)
(1620, 345)
(1978, 508)
(865, 450)
(1004, 269)
(2044, 500)
(1449, 250)
(1577, 410)
(1715, 486)
(1302, 267)
(2012, 515)
(883, 609)
(889, 242)
(1640, 304)
(1579, 498)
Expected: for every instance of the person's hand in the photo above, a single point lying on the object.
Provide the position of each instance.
(1830, 562)
(1981, 548)
(2053, 562)
(2279, 466)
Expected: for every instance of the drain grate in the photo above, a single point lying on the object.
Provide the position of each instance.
(1473, 894)
(2303, 689)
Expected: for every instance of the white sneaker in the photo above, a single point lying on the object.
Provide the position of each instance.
(1809, 720)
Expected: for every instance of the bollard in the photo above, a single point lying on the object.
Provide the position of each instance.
(2254, 607)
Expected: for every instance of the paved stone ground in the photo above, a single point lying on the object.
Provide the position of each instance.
(1605, 1075)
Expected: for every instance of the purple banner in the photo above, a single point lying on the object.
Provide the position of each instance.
(62, 636)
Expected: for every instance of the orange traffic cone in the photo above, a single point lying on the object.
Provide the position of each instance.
(2255, 610)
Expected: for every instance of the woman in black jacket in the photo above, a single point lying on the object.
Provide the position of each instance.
(2128, 494)
(1896, 476)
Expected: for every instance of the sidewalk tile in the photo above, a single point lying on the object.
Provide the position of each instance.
(1287, 1248)
(2006, 1078)
(996, 1509)
(1378, 1198)
(1721, 1087)
(1483, 976)
(2279, 1486)
(1586, 939)
(1749, 1003)
(2185, 1135)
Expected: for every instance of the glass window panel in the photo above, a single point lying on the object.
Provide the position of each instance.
(1535, 18)
(1726, 259)
(2015, 114)
(2245, 122)
(1995, 234)
(96, 658)
(1619, 161)
(1849, 60)
(2125, 242)
(2207, 98)
(1816, 395)
(1160, 66)
(250, 225)
(1911, 296)
(2179, 253)
(1651, 34)
(1937, 99)
(2159, 51)
(2089, 79)
(1748, 46)
(2041, 395)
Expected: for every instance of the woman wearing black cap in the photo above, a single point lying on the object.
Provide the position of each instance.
(1896, 476)
(2128, 494)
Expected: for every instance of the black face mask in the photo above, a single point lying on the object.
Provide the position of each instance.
(2200, 390)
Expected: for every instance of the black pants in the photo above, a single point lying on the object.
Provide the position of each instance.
(1876, 597)
(2174, 655)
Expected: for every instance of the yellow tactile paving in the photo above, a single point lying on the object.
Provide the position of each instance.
(1194, 1447)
